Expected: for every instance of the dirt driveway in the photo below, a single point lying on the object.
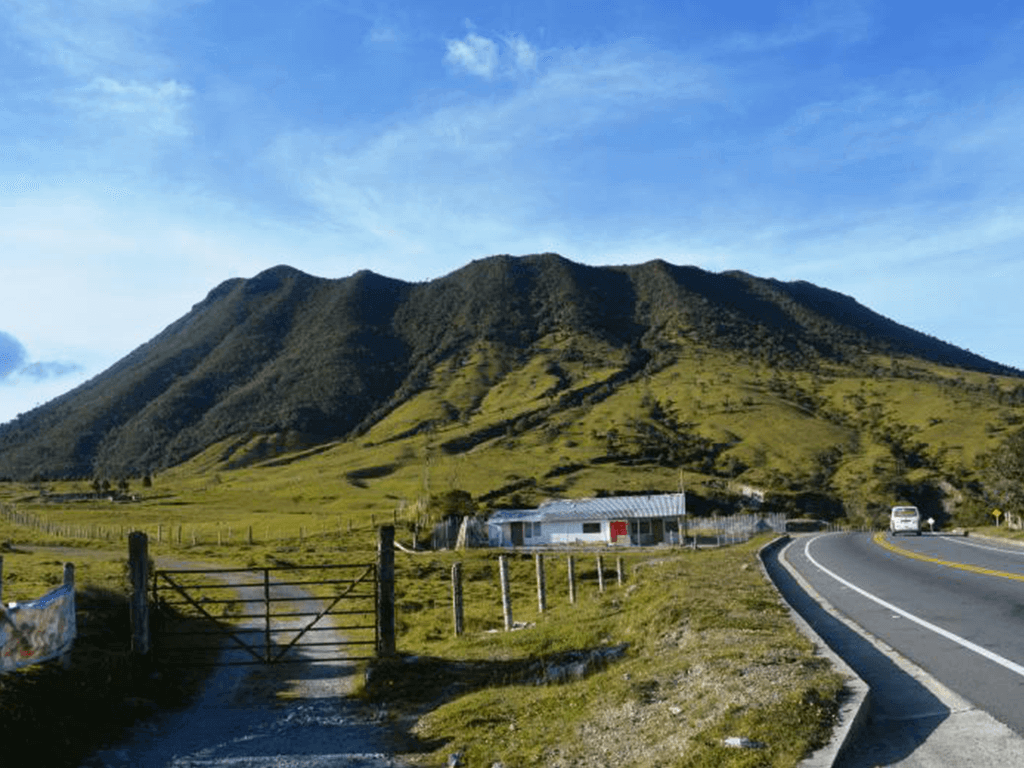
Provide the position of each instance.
(296, 715)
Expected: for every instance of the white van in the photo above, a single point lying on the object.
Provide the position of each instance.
(905, 520)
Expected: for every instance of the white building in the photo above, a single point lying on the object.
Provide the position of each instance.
(611, 520)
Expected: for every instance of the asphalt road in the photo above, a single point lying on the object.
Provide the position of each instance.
(954, 608)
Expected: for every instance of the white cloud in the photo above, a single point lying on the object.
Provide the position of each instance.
(159, 108)
(482, 56)
(475, 54)
(524, 54)
(382, 34)
(483, 175)
(843, 20)
(85, 37)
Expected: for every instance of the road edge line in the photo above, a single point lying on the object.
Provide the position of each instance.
(854, 710)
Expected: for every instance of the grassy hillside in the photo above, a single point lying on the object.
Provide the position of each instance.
(502, 346)
(574, 419)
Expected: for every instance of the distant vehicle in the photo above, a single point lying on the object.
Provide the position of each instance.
(904, 519)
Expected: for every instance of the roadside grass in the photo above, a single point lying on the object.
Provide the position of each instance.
(710, 653)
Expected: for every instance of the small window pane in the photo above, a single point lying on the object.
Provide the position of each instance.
(591, 527)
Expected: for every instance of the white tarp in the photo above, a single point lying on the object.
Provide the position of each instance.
(37, 630)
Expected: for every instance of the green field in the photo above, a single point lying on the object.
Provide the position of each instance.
(711, 653)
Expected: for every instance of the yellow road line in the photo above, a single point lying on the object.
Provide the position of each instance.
(881, 541)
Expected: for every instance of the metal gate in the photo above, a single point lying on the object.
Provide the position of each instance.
(316, 613)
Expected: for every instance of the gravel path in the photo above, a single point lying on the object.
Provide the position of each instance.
(272, 716)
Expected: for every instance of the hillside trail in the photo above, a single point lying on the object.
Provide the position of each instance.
(295, 715)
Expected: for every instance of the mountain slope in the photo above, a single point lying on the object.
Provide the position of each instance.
(312, 360)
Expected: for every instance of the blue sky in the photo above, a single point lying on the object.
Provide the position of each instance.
(150, 149)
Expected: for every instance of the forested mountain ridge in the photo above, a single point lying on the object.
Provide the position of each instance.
(313, 360)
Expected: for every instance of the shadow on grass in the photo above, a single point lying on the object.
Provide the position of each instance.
(56, 716)
(416, 684)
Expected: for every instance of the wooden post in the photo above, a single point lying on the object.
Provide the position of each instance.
(572, 579)
(69, 581)
(386, 591)
(250, 536)
(542, 598)
(179, 535)
(138, 566)
(618, 570)
(266, 616)
(600, 573)
(160, 533)
(506, 595)
(457, 597)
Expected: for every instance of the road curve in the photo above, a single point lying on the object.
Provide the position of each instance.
(932, 623)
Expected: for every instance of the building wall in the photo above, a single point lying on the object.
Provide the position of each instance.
(645, 532)
(550, 533)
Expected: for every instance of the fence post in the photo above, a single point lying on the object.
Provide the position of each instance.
(457, 597)
(69, 581)
(266, 608)
(386, 590)
(571, 563)
(618, 571)
(506, 593)
(138, 566)
(542, 597)
(600, 573)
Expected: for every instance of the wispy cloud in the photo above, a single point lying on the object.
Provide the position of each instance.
(483, 57)
(475, 173)
(91, 36)
(159, 107)
(846, 21)
(525, 55)
(474, 54)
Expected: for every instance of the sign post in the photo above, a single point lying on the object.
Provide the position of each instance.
(997, 513)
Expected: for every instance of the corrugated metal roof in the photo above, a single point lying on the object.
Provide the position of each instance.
(604, 508)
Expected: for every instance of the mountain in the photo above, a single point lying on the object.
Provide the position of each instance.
(312, 360)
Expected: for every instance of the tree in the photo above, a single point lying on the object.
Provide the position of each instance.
(451, 503)
(1002, 472)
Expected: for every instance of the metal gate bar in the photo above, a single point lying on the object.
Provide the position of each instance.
(174, 584)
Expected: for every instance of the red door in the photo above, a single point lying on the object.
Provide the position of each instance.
(618, 528)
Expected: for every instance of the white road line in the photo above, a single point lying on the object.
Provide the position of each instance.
(1005, 551)
(1001, 661)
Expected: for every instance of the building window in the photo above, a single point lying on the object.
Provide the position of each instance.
(645, 527)
(536, 530)
(591, 527)
(531, 530)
